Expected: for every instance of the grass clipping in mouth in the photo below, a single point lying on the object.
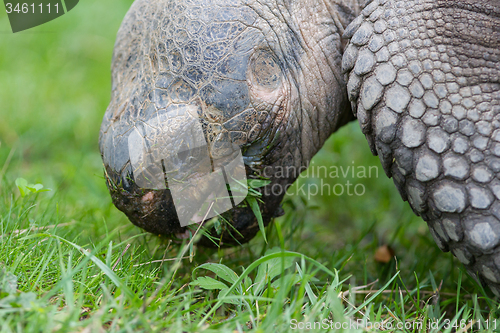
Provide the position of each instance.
(252, 198)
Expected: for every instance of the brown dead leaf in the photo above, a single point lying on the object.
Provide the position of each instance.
(384, 254)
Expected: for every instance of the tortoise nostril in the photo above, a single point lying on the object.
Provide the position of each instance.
(265, 70)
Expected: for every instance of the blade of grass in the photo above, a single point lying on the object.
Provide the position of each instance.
(256, 210)
(105, 269)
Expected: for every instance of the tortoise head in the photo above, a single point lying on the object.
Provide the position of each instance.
(207, 95)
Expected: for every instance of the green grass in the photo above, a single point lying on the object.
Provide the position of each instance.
(71, 262)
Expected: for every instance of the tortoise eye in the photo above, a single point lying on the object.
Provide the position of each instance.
(265, 70)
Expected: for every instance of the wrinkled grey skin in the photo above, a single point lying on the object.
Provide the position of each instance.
(265, 75)
(422, 78)
(424, 81)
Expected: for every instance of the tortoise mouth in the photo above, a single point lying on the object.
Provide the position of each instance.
(155, 211)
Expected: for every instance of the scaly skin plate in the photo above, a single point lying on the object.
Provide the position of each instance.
(424, 81)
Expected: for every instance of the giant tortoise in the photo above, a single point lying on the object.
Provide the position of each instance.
(199, 84)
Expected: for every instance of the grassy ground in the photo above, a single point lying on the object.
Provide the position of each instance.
(70, 262)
